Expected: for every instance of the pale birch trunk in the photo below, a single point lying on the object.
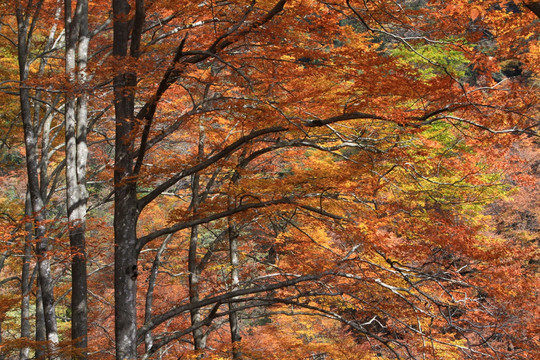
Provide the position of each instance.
(76, 123)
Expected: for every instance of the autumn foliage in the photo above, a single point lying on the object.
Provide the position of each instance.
(269, 179)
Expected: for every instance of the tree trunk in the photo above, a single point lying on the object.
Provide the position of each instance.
(199, 338)
(76, 159)
(32, 166)
(125, 223)
(148, 339)
(234, 325)
(233, 317)
(194, 269)
(26, 285)
(125, 271)
(125, 206)
(41, 332)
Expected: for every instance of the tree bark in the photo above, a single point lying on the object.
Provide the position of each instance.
(199, 338)
(125, 206)
(32, 167)
(26, 285)
(234, 259)
(233, 317)
(76, 123)
(41, 332)
(148, 339)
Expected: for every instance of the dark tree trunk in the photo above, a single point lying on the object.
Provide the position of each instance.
(125, 206)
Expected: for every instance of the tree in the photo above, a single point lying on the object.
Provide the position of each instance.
(76, 122)
(37, 177)
(232, 81)
(302, 179)
(43, 99)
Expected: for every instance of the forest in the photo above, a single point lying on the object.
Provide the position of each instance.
(269, 179)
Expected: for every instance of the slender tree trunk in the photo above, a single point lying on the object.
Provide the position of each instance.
(233, 317)
(41, 332)
(199, 338)
(47, 298)
(234, 325)
(2, 259)
(76, 159)
(148, 339)
(26, 285)
(32, 167)
(2, 262)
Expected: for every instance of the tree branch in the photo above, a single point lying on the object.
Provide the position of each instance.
(208, 162)
(157, 320)
(193, 222)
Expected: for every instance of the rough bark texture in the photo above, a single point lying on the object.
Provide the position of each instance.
(125, 206)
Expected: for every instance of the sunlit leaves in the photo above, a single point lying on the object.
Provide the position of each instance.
(387, 207)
